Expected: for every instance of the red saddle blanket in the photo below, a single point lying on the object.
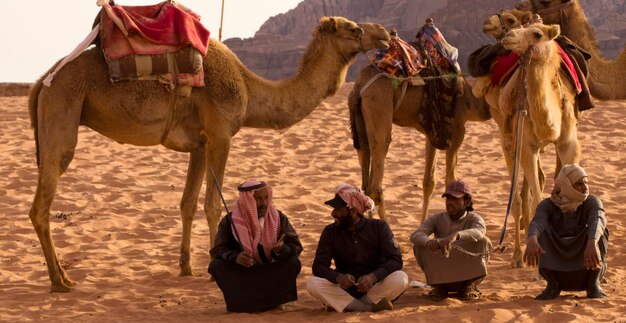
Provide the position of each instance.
(504, 66)
(155, 29)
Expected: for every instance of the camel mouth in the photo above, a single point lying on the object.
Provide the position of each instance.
(488, 29)
(382, 44)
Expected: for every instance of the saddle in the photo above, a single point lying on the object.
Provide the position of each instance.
(164, 42)
(412, 63)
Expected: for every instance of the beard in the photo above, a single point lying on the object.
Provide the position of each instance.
(346, 222)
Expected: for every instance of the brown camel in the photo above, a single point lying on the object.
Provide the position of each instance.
(202, 124)
(550, 102)
(373, 114)
(605, 76)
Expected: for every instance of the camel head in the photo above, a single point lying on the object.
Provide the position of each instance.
(364, 36)
(536, 35)
(505, 20)
(551, 11)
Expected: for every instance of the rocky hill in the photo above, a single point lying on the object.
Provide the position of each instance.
(275, 50)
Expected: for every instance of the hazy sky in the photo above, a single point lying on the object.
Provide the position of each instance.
(34, 34)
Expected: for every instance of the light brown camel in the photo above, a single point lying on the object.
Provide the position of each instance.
(497, 26)
(550, 102)
(606, 77)
(202, 124)
(373, 115)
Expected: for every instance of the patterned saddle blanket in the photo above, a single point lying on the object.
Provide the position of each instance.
(164, 42)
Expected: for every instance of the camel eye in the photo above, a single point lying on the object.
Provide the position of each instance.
(511, 20)
(537, 34)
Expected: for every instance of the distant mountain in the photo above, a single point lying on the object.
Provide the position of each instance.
(275, 50)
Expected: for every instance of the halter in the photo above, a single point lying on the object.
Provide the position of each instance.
(502, 25)
(357, 35)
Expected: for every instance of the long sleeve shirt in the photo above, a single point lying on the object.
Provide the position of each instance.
(588, 216)
(471, 227)
(371, 248)
(227, 247)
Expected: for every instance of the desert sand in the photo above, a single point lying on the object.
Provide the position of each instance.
(116, 223)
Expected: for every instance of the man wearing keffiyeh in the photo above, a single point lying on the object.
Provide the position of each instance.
(255, 256)
(568, 237)
(367, 273)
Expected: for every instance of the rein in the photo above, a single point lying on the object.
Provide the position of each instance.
(519, 135)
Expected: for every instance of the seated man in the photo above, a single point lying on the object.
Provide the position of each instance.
(447, 269)
(255, 254)
(568, 237)
(367, 275)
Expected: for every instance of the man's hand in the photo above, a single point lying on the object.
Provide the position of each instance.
(591, 259)
(279, 244)
(432, 244)
(244, 259)
(446, 243)
(365, 283)
(345, 281)
(532, 252)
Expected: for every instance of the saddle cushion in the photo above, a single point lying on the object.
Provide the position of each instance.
(155, 29)
(185, 64)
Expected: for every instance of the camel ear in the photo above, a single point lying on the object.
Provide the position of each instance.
(553, 31)
(328, 24)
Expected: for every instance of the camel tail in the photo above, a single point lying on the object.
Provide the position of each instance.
(356, 117)
(33, 99)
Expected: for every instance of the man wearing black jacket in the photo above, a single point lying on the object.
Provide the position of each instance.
(367, 275)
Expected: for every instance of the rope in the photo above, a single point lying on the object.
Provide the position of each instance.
(518, 139)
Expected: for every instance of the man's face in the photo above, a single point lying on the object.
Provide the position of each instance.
(581, 186)
(261, 197)
(343, 216)
(455, 206)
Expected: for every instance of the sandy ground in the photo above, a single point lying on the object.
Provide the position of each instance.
(115, 221)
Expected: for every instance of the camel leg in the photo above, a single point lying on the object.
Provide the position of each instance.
(216, 156)
(364, 163)
(525, 195)
(56, 151)
(428, 182)
(189, 206)
(377, 115)
(379, 146)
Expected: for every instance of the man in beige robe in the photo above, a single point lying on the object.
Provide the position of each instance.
(447, 268)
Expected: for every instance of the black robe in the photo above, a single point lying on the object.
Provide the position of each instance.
(262, 286)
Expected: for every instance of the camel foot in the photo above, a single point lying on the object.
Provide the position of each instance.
(61, 287)
(517, 264)
(186, 271)
(68, 282)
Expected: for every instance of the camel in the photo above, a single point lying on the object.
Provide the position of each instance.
(202, 124)
(372, 116)
(605, 76)
(550, 101)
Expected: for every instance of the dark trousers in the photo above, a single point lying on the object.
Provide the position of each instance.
(258, 288)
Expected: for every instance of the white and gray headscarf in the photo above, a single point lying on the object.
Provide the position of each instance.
(565, 196)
